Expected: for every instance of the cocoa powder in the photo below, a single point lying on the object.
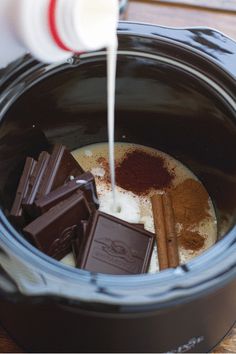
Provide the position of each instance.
(140, 172)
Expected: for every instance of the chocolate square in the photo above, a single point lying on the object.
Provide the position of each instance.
(53, 232)
(50, 172)
(114, 246)
(61, 167)
(85, 182)
(35, 180)
(80, 239)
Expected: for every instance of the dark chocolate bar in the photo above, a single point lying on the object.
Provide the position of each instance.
(35, 180)
(79, 241)
(84, 182)
(53, 232)
(116, 247)
(61, 167)
(16, 214)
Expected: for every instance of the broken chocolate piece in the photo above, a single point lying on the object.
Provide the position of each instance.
(52, 232)
(61, 167)
(50, 172)
(84, 182)
(16, 214)
(35, 180)
(114, 246)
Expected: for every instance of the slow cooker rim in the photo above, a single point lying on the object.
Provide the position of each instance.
(53, 69)
(101, 278)
(175, 27)
(123, 30)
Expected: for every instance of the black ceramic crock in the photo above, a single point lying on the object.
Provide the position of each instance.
(175, 92)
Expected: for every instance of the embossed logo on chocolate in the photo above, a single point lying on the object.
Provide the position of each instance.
(117, 253)
(60, 245)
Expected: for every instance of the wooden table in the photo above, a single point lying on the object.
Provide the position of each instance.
(170, 14)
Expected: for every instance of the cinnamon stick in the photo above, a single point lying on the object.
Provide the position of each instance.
(159, 222)
(172, 245)
(164, 222)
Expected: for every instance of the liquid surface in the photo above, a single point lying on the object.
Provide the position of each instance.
(139, 209)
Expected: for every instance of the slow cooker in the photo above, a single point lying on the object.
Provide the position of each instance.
(175, 92)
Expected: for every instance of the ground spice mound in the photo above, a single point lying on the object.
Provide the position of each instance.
(191, 240)
(190, 203)
(139, 172)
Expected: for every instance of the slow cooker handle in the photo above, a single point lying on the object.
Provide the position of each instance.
(209, 42)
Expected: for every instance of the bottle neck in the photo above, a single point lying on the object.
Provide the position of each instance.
(52, 30)
(83, 25)
(53, 14)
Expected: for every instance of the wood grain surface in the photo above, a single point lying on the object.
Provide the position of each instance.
(7, 345)
(218, 5)
(181, 16)
(228, 345)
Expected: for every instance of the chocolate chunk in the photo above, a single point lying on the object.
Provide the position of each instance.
(84, 182)
(61, 166)
(114, 246)
(35, 180)
(53, 232)
(51, 172)
(79, 242)
(16, 214)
